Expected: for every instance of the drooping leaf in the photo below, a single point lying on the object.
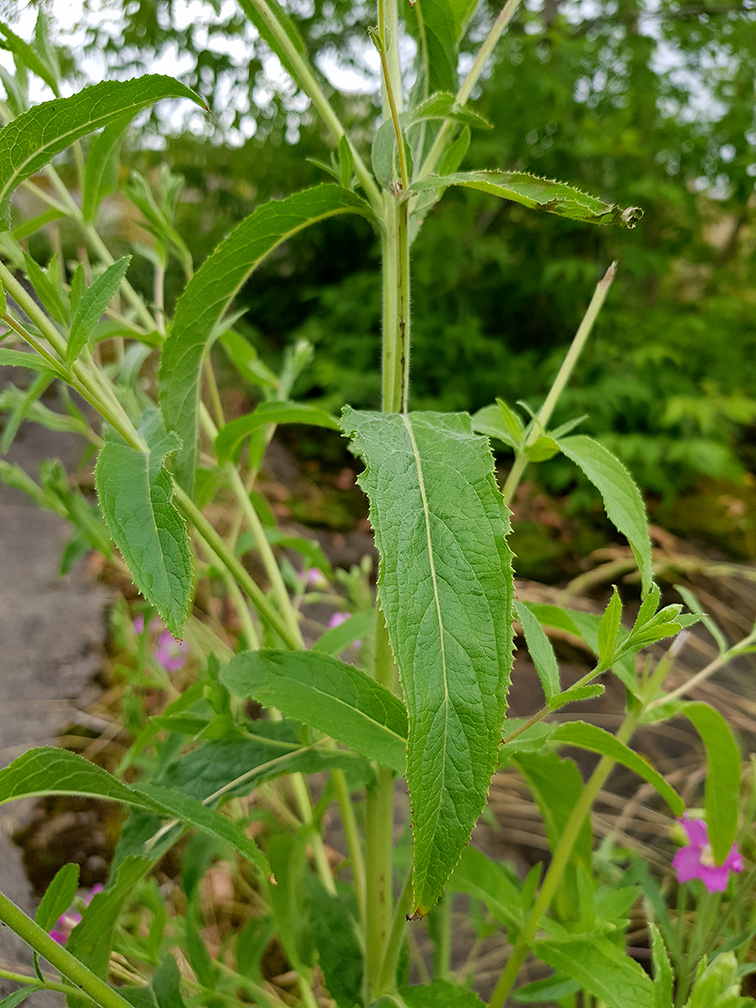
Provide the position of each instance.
(595, 739)
(231, 436)
(57, 771)
(134, 490)
(536, 193)
(622, 500)
(327, 694)
(446, 592)
(723, 769)
(602, 968)
(92, 305)
(32, 139)
(211, 289)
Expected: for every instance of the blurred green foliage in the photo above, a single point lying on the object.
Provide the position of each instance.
(648, 104)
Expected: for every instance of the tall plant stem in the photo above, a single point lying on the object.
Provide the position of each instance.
(473, 75)
(558, 864)
(379, 841)
(306, 79)
(396, 307)
(563, 376)
(59, 957)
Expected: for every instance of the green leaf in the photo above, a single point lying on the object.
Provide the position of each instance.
(622, 500)
(454, 154)
(439, 994)
(27, 56)
(57, 771)
(208, 294)
(94, 301)
(337, 638)
(385, 153)
(32, 139)
(601, 968)
(440, 26)
(324, 693)
(101, 166)
(167, 984)
(443, 105)
(446, 592)
(58, 897)
(553, 988)
(135, 490)
(594, 739)
(536, 193)
(540, 650)
(245, 359)
(500, 422)
(230, 437)
(492, 882)
(722, 788)
(695, 606)
(576, 694)
(19, 996)
(332, 920)
(346, 163)
(608, 630)
(19, 358)
(663, 976)
(48, 284)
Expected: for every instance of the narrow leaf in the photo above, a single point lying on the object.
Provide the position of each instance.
(209, 293)
(92, 306)
(446, 592)
(540, 650)
(536, 193)
(722, 788)
(57, 771)
(438, 994)
(443, 105)
(608, 630)
(490, 881)
(602, 968)
(337, 638)
(101, 166)
(663, 976)
(283, 22)
(231, 436)
(594, 739)
(58, 896)
(576, 694)
(19, 358)
(324, 693)
(32, 139)
(26, 55)
(622, 500)
(135, 490)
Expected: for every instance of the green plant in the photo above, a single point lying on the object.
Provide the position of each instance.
(429, 698)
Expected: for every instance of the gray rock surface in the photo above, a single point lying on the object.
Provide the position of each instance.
(51, 639)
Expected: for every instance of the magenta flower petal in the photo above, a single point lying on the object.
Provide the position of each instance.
(59, 936)
(170, 653)
(338, 618)
(696, 860)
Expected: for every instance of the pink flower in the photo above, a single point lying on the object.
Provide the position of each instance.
(338, 618)
(696, 860)
(314, 578)
(65, 924)
(169, 652)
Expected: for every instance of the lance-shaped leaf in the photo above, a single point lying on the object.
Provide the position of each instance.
(446, 592)
(135, 490)
(209, 292)
(439, 25)
(57, 771)
(536, 193)
(231, 436)
(26, 55)
(32, 139)
(327, 694)
(92, 305)
(622, 499)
